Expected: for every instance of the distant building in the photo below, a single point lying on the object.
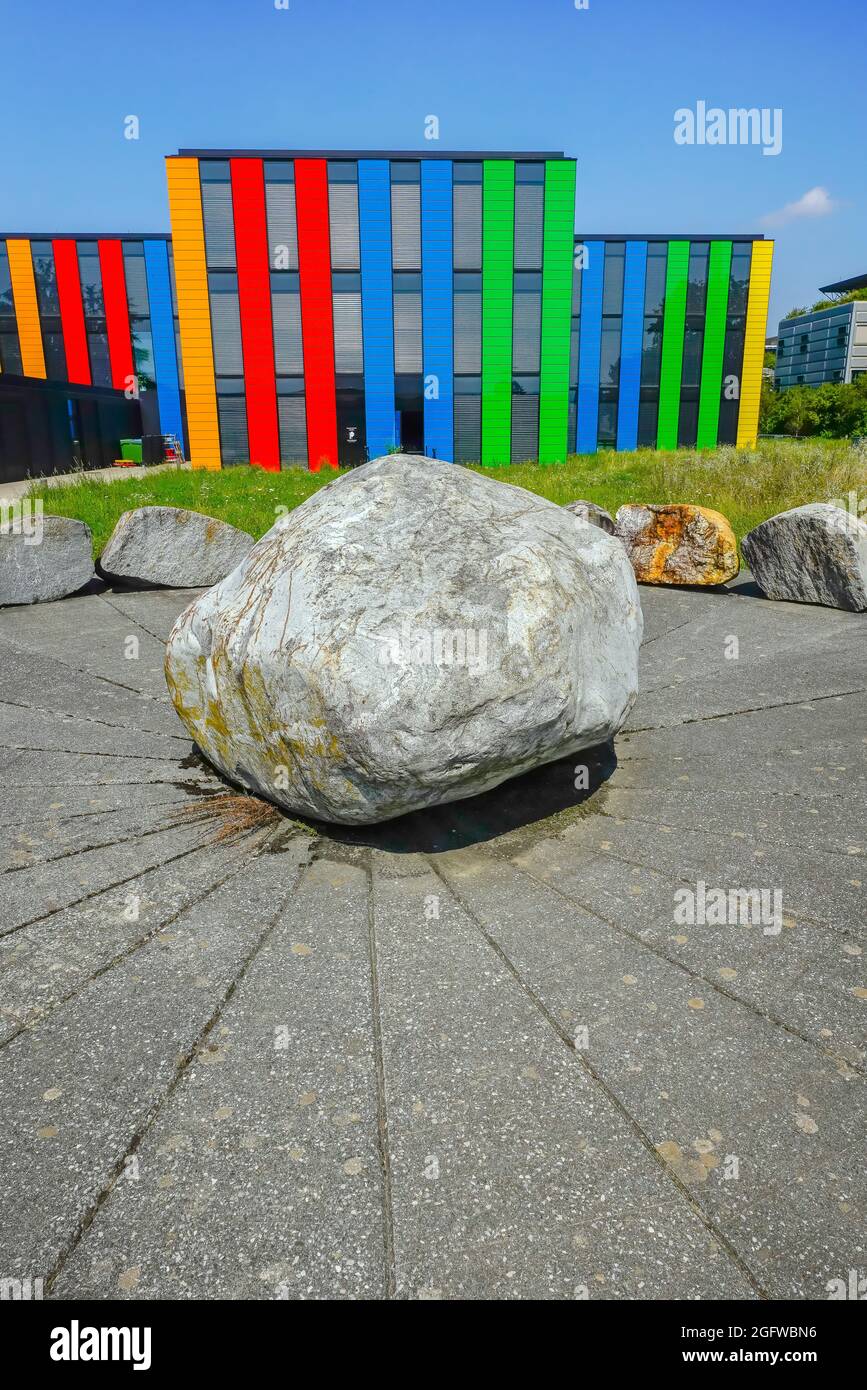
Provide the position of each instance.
(828, 345)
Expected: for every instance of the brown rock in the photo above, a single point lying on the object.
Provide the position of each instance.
(677, 543)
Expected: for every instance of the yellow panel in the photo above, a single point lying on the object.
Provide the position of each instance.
(754, 342)
(194, 311)
(26, 307)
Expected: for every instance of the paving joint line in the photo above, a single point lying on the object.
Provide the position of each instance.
(580, 1057)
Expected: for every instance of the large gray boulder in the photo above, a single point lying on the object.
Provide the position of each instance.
(43, 558)
(412, 634)
(811, 554)
(170, 547)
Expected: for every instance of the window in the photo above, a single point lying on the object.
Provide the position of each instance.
(609, 353)
(232, 415)
(91, 281)
(407, 323)
(292, 418)
(343, 214)
(733, 349)
(651, 345)
(217, 214)
(280, 209)
(406, 215)
(468, 322)
(525, 419)
(467, 215)
(226, 324)
(46, 279)
(468, 419)
(136, 280)
(100, 365)
(693, 343)
(286, 320)
(45, 275)
(526, 321)
(529, 214)
(346, 292)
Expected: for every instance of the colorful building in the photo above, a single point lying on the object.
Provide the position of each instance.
(668, 337)
(316, 308)
(94, 311)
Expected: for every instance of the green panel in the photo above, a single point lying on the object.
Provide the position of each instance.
(498, 254)
(557, 259)
(673, 324)
(719, 270)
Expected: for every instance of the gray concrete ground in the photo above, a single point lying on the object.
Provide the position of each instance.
(471, 1054)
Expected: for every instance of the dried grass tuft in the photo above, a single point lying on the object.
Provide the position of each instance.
(230, 815)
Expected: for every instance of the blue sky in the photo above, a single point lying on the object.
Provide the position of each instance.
(602, 84)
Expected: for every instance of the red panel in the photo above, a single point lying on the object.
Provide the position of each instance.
(116, 314)
(72, 312)
(317, 320)
(254, 297)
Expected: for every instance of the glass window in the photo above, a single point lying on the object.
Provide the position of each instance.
(696, 292)
(55, 357)
(279, 170)
(7, 303)
(609, 355)
(405, 171)
(91, 281)
(46, 279)
(215, 171)
(612, 293)
(467, 171)
(651, 350)
(10, 353)
(136, 279)
(529, 171)
(143, 353)
(100, 365)
(654, 284)
(342, 171)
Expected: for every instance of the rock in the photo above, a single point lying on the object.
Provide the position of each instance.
(597, 516)
(170, 547)
(811, 554)
(43, 558)
(412, 634)
(676, 543)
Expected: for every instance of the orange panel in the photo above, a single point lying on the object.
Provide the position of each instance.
(26, 307)
(194, 311)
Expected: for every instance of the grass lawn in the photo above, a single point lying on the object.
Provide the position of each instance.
(745, 485)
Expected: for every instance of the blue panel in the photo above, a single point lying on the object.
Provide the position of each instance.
(589, 347)
(436, 312)
(163, 331)
(630, 344)
(377, 308)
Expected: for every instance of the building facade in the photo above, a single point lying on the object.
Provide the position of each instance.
(333, 308)
(829, 345)
(94, 311)
(667, 341)
(316, 308)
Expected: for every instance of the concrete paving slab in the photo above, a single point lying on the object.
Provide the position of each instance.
(436, 1125)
